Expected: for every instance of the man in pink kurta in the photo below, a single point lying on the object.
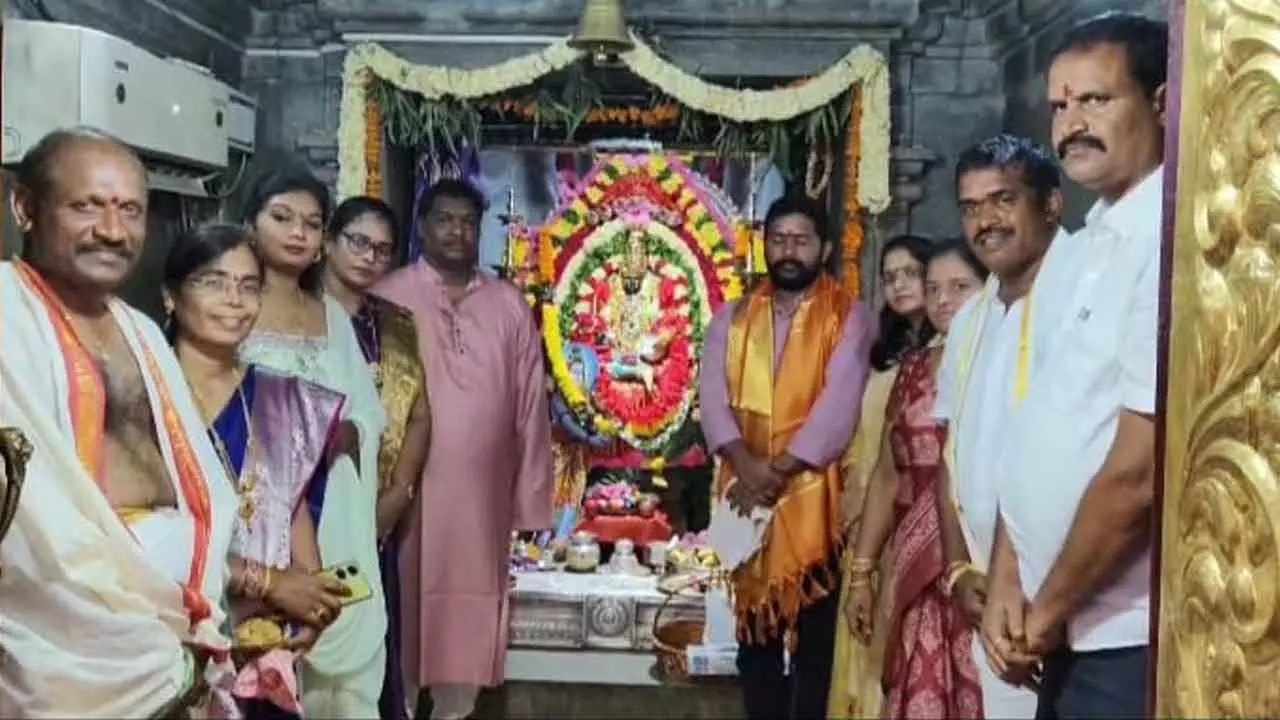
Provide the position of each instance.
(489, 470)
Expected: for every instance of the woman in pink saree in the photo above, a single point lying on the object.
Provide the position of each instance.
(929, 669)
(274, 433)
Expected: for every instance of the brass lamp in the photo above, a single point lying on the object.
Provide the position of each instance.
(602, 30)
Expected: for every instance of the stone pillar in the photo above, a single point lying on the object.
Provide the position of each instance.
(909, 165)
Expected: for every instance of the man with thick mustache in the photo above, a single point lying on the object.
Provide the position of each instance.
(783, 372)
(1077, 486)
(1010, 198)
(115, 565)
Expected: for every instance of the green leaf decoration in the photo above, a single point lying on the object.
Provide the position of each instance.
(562, 101)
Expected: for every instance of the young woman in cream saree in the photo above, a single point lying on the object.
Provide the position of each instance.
(303, 332)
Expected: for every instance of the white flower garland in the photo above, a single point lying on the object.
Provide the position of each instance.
(862, 65)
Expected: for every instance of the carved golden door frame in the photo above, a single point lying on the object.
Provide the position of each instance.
(1218, 652)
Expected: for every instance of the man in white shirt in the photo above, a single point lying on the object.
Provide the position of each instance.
(1010, 198)
(1077, 486)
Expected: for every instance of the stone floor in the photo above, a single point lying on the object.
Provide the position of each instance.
(526, 701)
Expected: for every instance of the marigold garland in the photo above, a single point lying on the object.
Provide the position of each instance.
(571, 253)
(651, 430)
(573, 395)
(373, 149)
(852, 235)
(557, 238)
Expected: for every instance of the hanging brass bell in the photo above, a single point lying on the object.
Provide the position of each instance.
(602, 30)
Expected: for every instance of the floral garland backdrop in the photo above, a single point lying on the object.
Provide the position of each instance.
(373, 149)
(694, 251)
(776, 112)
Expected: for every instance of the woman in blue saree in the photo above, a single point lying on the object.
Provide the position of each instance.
(275, 434)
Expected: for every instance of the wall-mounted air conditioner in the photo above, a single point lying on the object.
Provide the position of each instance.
(61, 76)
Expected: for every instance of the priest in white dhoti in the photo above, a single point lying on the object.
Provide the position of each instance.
(112, 574)
(1010, 200)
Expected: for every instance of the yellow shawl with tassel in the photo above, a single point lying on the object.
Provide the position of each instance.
(791, 570)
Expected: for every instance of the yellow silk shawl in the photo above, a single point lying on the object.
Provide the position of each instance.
(400, 379)
(791, 569)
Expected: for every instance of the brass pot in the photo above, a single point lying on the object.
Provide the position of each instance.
(584, 553)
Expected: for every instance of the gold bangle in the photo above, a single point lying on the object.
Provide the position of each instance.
(266, 584)
(250, 580)
(861, 565)
(956, 571)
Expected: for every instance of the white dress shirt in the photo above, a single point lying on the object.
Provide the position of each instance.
(1100, 361)
(978, 399)
(977, 389)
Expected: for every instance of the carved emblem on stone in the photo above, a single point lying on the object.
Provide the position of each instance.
(610, 620)
(547, 624)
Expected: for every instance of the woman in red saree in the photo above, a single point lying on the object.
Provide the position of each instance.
(929, 665)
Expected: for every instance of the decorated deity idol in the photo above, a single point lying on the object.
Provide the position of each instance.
(635, 262)
(634, 317)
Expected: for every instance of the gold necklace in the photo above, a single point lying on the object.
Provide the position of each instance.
(248, 477)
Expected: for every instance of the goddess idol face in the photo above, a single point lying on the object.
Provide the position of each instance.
(635, 264)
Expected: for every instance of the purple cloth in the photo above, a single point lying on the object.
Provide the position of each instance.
(309, 414)
(825, 435)
(231, 429)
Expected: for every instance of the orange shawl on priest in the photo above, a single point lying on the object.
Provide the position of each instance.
(791, 570)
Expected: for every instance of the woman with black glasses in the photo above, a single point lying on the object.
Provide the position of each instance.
(360, 248)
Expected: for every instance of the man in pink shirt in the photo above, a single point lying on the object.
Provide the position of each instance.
(489, 469)
(780, 426)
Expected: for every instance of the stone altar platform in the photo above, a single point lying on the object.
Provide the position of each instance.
(581, 647)
(588, 628)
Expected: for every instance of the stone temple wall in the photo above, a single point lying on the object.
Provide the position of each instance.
(947, 88)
